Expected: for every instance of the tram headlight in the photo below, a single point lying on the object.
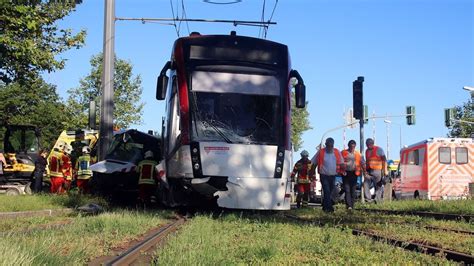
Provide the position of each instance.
(280, 154)
(278, 169)
(196, 166)
(195, 150)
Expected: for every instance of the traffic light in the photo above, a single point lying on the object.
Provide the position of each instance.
(411, 115)
(357, 98)
(448, 116)
(366, 114)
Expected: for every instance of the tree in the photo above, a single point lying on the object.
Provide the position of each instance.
(299, 123)
(465, 113)
(30, 39)
(127, 91)
(37, 104)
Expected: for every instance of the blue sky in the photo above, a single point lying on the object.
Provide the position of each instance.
(411, 52)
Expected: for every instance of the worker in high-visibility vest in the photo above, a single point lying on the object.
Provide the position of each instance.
(83, 171)
(353, 162)
(302, 170)
(329, 163)
(376, 169)
(55, 165)
(147, 178)
(67, 167)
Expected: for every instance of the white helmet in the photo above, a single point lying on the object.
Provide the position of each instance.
(148, 154)
(304, 153)
(67, 149)
(86, 149)
(60, 145)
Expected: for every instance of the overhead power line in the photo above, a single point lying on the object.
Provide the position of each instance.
(235, 22)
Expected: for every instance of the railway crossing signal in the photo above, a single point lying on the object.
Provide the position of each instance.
(366, 114)
(357, 98)
(448, 117)
(411, 115)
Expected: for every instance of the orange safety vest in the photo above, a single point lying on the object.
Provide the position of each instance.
(146, 169)
(302, 168)
(55, 164)
(374, 162)
(358, 167)
(321, 159)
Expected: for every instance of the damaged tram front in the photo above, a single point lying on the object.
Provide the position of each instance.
(226, 132)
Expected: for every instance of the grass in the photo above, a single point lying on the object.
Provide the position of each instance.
(232, 239)
(46, 201)
(448, 206)
(80, 241)
(408, 228)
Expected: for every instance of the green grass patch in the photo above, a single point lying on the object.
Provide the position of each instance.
(408, 228)
(78, 242)
(232, 239)
(26, 223)
(444, 206)
(46, 201)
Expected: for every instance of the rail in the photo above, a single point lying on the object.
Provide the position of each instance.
(467, 259)
(137, 253)
(434, 215)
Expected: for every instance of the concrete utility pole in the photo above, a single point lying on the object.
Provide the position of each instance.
(107, 100)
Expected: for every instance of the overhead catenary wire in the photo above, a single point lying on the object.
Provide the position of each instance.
(262, 18)
(174, 21)
(270, 19)
(235, 22)
(185, 16)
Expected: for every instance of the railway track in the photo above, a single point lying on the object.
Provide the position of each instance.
(141, 253)
(408, 245)
(49, 212)
(434, 215)
(38, 228)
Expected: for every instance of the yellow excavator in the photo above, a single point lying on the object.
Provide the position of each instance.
(18, 151)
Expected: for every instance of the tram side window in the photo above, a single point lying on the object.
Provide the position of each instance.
(173, 118)
(444, 155)
(461, 155)
(414, 157)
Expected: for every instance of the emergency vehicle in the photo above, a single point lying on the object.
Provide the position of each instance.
(226, 132)
(77, 139)
(436, 168)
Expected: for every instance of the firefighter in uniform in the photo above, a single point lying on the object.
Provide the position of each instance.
(55, 168)
(146, 178)
(303, 182)
(375, 169)
(67, 167)
(84, 173)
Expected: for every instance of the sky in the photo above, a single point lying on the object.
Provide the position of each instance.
(410, 52)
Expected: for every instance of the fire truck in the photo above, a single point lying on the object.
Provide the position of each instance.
(436, 168)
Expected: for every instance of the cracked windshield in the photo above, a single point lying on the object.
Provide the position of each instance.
(235, 108)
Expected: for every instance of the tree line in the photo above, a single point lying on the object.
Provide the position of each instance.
(30, 43)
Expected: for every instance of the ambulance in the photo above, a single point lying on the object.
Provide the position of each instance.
(435, 169)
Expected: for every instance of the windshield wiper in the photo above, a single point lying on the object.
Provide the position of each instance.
(216, 129)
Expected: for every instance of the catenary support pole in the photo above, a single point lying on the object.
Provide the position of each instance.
(107, 100)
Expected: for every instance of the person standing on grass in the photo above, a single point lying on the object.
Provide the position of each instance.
(40, 168)
(329, 163)
(67, 167)
(376, 168)
(55, 168)
(302, 170)
(147, 178)
(353, 166)
(84, 173)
